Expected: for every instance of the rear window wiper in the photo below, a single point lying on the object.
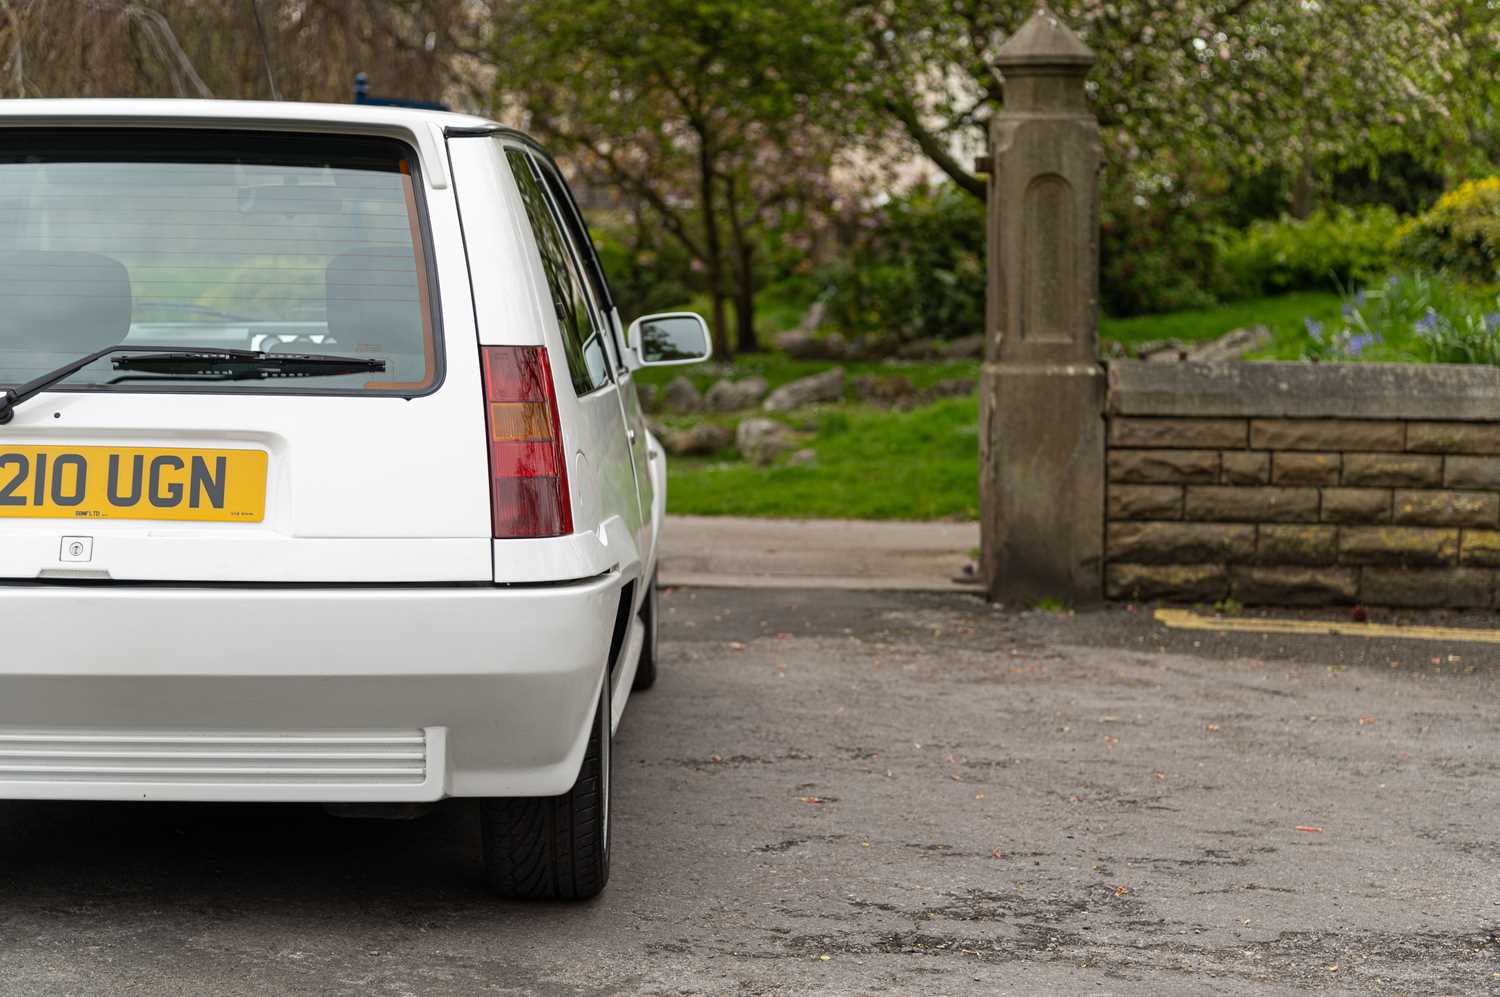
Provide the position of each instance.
(226, 364)
(245, 365)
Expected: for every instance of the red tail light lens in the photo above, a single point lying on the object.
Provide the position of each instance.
(528, 467)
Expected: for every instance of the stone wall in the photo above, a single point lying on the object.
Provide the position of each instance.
(1251, 484)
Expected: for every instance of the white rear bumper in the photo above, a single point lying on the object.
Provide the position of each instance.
(311, 694)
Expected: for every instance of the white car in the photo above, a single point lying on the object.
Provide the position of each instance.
(323, 473)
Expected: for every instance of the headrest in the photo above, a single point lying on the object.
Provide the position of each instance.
(61, 302)
(373, 301)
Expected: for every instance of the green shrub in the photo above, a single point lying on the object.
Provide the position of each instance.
(1460, 235)
(1157, 251)
(916, 268)
(1333, 248)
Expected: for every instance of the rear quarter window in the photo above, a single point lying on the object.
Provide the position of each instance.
(283, 243)
(588, 362)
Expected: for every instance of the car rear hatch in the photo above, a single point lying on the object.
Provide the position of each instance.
(160, 241)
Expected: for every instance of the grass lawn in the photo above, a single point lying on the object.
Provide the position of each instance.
(1283, 315)
(872, 464)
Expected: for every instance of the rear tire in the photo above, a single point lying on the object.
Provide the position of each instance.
(555, 847)
(645, 668)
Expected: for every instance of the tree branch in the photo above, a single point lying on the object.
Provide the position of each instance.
(934, 148)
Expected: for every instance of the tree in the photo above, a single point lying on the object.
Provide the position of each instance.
(1212, 85)
(717, 115)
(187, 48)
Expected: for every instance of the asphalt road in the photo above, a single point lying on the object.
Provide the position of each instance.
(844, 792)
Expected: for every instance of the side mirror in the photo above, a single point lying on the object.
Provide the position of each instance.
(669, 339)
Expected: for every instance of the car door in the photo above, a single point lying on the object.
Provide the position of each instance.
(630, 402)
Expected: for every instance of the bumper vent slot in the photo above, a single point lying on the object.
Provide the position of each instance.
(391, 759)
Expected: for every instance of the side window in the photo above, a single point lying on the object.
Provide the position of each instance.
(566, 211)
(588, 364)
(574, 223)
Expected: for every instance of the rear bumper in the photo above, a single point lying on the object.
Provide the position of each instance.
(312, 694)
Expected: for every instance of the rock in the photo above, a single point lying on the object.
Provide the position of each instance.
(806, 457)
(806, 346)
(703, 438)
(873, 388)
(1162, 351)
(1231, 346)
(870, 348)
(921, 349)
(732, 396)
(650, 396)
(681, 396)
(953, 387)
(761, 441)
(825, 387)
(965, 348)
(801, 345)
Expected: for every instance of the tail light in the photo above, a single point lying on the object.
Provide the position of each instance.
(528, 466)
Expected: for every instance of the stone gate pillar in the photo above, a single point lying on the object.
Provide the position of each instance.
(1041, 431)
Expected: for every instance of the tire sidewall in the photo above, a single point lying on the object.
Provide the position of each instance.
(606, 770)
(653, 617)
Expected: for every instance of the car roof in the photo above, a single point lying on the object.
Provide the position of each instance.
(427, 128)
(230, 112)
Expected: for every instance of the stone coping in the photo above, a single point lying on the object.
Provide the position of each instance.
(1449, 392)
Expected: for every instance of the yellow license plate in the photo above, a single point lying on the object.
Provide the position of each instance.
(62, 482)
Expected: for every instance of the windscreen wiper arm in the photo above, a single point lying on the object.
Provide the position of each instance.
(255, 363)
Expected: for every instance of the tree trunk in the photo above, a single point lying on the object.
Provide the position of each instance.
(744, 277)
(713, 252)
(1304, 193)
(746, 341)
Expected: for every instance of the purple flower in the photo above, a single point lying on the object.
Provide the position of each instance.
(1492, 322)
(1427, 322)
(1359, 299)
(1357, 344)
(1314, 328)
(1348, 309)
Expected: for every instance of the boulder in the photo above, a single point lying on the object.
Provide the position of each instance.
(921, 349)
(964, 348)
(806, 457)
(882, 390)
(732, 396)
(1231, 346)
(1162, 351)
(871, 348)
(806, 346)
(801, 345)
(761, 441)
(681, 396)
(953, 387)
(650, 396)
(703, 438)
(825, 387)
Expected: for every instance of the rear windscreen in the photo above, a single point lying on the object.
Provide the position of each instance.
(279, 243)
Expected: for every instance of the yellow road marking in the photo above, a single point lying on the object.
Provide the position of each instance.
(1182, 619)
